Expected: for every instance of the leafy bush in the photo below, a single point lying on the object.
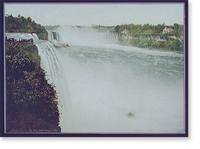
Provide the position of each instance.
(177, 45)
(27, 90)
(158, 44)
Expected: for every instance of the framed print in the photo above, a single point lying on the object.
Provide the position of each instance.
(94, 69)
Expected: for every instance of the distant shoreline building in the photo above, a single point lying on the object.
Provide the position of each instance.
(125, 31)
(167, 30)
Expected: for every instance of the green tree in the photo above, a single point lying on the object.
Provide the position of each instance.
(177, 45)
(117, 29)
(24, 25)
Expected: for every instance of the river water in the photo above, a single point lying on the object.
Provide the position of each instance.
(121, 89)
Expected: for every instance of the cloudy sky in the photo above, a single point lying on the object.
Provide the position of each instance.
(101, 13)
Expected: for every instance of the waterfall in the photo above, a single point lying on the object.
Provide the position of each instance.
(51, 64)
(48, 53)
(116, 38)
(85, 36)
(55, 38)
(49, 60)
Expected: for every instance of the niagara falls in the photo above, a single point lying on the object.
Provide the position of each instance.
(77, 78)
(104, 87)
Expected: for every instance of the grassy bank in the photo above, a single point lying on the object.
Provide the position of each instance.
(159, 36)
(172, 45)
(152, 43)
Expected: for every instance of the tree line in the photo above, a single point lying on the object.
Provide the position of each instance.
(21, 24)
(152, 36)
(149, 29)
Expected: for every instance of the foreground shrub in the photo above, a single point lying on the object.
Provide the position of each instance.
(28, 93)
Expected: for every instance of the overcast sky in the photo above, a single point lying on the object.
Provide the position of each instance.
(104, 14)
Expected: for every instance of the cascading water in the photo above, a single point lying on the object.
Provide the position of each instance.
(50, 62)
(85, 36)
(22, 36)
(54, 38)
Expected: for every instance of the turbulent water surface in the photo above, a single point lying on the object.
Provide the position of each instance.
(120, 89)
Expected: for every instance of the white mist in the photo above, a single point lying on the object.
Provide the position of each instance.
(107, 82)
